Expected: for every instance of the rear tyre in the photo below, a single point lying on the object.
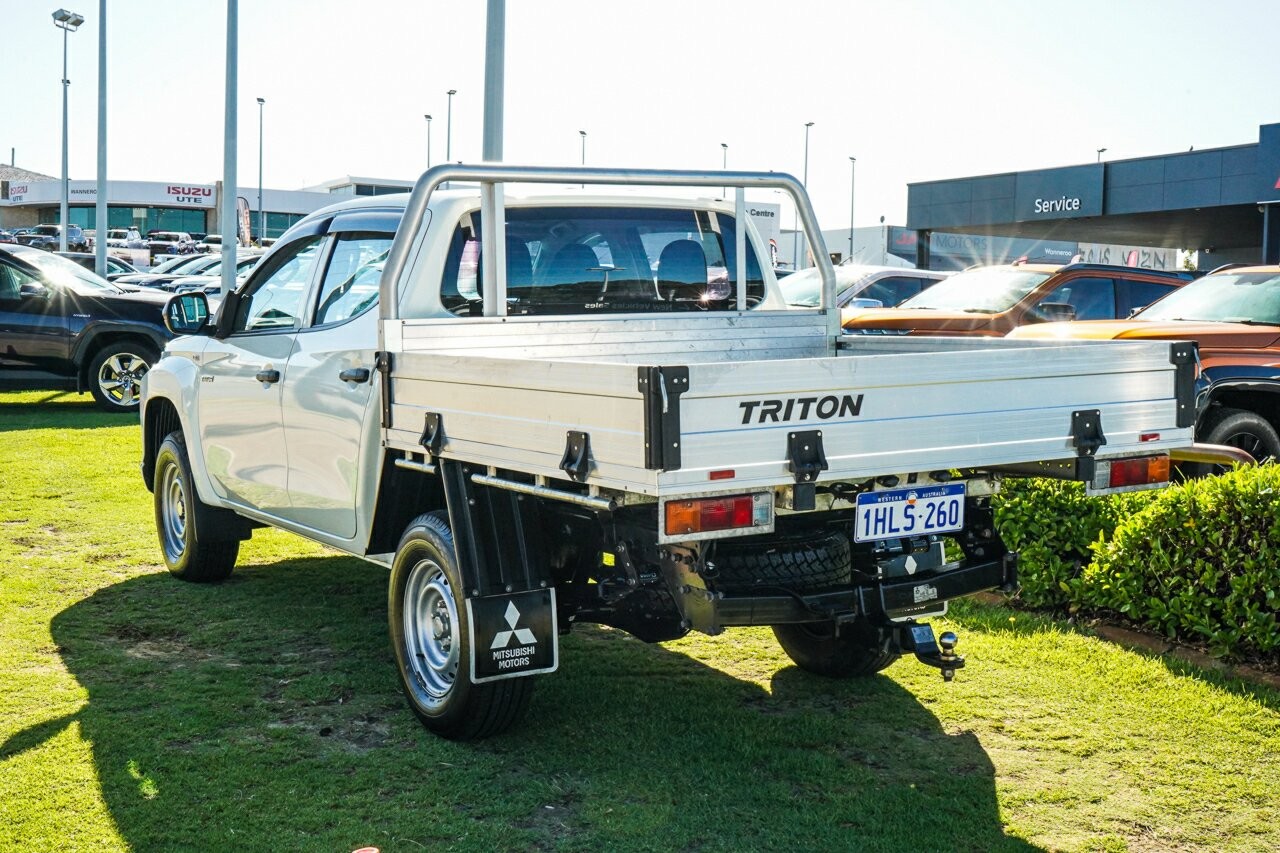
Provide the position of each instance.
(196, 545)
(115, 374)
(1236, 428)
(858, 651)
(431, 638)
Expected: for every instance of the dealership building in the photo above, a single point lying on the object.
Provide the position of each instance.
(29, 198)
(1223, 203)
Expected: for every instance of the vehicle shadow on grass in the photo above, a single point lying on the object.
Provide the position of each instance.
(264, 713)
(57, 410)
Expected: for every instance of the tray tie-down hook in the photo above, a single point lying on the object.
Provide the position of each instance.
(940, 653)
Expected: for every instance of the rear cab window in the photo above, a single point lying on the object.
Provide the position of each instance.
(605, 259)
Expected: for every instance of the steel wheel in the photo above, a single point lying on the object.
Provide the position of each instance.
(431, 632)
(172, 496)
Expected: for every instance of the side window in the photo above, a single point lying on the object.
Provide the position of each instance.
(1090, 298)
(351, 281)
(1143, 293)
(276, 299)
(11, 281)
(892, 290)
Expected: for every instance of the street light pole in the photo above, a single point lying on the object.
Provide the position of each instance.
(428, 118)
(724, 162)
(448, 129)
(1101, 151)
(262, 226)
(100, 203)
(68, 22)
(583, 134)
(795, 218)
(230, 127)
(853, 165)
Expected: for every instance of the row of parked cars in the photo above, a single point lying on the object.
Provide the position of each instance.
(62, 326)
(1233, 314)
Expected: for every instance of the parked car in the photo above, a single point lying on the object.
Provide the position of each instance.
(48, 237)
(886, 286)
(115, 266)
(210, 280)
(7, 237)
(61, 326)
(170, 243)
(162, 275)
(210, 243)
(994, 300)
(1233, 314)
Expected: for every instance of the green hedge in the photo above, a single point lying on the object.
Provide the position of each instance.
(1202, 562)
(1052, 525)
(1198, 561)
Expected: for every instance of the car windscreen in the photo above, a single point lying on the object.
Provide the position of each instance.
(185, 263)
(62, 271)
(1247, 297)
(980, 291)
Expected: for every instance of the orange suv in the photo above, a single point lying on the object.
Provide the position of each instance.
(994, 300)
(1233, 314)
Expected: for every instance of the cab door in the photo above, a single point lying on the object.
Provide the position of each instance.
(242, 374)
(34, 331)
(329, 406)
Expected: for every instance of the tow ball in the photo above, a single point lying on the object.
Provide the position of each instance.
(939, 653)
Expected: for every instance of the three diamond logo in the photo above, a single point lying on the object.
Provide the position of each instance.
(503, 638)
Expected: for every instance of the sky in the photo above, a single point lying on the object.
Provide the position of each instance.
(915, 90)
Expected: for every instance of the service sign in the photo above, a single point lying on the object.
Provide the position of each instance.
(513, 635)
(1069, 193)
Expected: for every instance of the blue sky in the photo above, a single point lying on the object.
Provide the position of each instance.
(915, 90)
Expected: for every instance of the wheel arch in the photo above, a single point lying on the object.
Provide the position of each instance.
(1251, 395)
(93, 342)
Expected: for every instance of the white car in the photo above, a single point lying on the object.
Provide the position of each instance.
(211, 243)
(870, 286)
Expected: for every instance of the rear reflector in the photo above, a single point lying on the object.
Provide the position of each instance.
(1137, 471)
(727, 474)
(707, 514)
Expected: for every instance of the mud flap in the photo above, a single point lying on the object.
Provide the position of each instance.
(513, 635)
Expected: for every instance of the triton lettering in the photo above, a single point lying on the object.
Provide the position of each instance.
(801, 409)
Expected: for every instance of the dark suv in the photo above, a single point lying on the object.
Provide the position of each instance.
(47, 237)
(61, 326)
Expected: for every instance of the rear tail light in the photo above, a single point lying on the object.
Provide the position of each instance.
(708, 514)
(1127, 473)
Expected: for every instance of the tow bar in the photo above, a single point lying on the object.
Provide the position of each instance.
(940, 653)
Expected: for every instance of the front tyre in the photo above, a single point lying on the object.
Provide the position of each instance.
(194, 547)
(431, 638)
(859, 650)
(115, 374)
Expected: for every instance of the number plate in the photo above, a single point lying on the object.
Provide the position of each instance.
(917, 511)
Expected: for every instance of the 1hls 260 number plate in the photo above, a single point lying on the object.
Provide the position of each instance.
(917, 511)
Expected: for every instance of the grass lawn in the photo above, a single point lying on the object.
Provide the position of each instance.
(264, 714)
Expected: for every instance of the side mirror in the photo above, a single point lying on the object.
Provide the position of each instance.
(186, 313)
(1056, 312)
(864, 302)
(35, 291)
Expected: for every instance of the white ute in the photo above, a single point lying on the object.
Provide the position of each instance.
(540, 408)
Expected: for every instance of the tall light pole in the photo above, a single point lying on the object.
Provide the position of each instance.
(100, 202)
(428, 118)
(68, 22)
(724, 162)
(448, 129)
(853, 165)
(583, 134)
(795, 218)
(230, 128)
(262, 224)
(1101, 151)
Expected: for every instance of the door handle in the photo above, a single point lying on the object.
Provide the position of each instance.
(269, 377)
(354, 374)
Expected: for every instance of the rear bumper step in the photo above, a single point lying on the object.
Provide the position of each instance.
(878, 601)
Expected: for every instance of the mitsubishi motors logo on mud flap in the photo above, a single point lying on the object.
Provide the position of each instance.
(503, 638)
(512, 634)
